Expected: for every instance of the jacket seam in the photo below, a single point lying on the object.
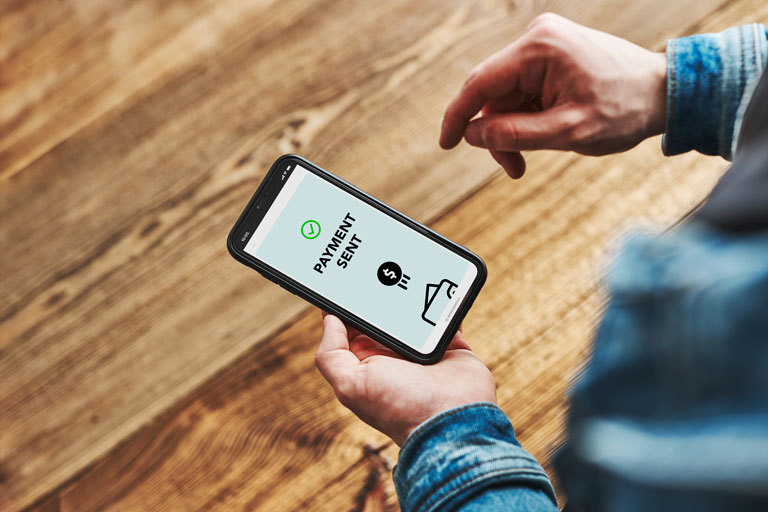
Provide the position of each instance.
(518, 472)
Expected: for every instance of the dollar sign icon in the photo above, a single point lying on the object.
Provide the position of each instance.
(389, 273)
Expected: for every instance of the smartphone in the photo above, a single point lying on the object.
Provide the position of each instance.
(340, 249)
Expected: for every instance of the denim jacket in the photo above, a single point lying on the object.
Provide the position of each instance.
(671, 412)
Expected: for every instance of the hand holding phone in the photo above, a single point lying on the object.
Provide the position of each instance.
(393, 395)
(392, 278)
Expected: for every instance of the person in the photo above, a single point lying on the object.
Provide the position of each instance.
(671, 412)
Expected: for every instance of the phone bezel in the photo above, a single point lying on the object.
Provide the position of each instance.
(268, 190)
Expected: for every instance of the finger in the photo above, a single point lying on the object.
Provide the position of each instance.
(512, 162)
(497, 76)
(352, 332)
(364, 347)
(458, 342)
(334, 335)
(511, 102)
(333, 358)
(520, 130)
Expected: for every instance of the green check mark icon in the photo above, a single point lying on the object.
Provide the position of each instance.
(310, 229)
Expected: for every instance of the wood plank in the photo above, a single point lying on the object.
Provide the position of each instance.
(180, 343)
(267, 433)
(67, 63)
(137, 200)
(134, 301)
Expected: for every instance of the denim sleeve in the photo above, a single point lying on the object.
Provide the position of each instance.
(671, 412)
(468, 459)
(710, 78)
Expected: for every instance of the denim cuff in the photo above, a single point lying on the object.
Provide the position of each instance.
(707, 77)
(460, 452)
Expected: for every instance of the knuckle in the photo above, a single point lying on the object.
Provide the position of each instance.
(473, 78)
(549, 17)
(500, 136)
(547, 23)
(545, 37)
(577, 127)
(512, 137)
(491, 135)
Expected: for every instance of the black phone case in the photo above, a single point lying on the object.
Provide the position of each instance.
(315, 299)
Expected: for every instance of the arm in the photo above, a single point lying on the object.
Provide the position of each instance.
(670, 412)
(711, 78)
(559, 86)
(565, 86)
(459, 450)
(468, 459)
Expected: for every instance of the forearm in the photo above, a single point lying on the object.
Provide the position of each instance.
(710, 78)
(468, 459)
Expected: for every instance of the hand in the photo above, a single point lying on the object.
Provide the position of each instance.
(391, 394)
(560, 86)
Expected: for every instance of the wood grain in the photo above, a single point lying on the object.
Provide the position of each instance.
(141, 367)
(118, 303)
(267, 434)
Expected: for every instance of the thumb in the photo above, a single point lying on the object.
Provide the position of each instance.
(333, 358)
(519, 131)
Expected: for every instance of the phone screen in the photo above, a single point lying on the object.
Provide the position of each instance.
(365, 261)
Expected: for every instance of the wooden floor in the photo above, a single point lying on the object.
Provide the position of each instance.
(141, 368)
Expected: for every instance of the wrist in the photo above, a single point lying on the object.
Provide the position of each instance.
(402, 434)
(658, 94)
